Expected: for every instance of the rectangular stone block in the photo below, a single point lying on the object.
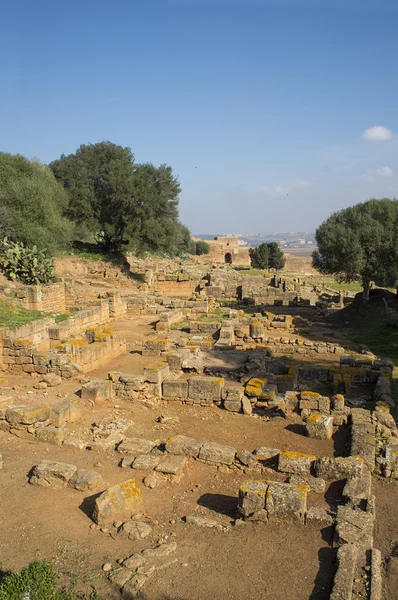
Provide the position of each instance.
(156, 372)
(344, 577)
(285, 501)
(251, 501)
(217, 454)
(175, 389)
(182, 445)
(353, 526)
(51, 435)
(27, 415)
(233, 405)
(335, 469)
(171, 465)
(97, 391)
(136, 446)
(296, 462)
(65, 411)
(175, 359)
(205, 390)
(319, 426)
(232, 393)
(145, 462)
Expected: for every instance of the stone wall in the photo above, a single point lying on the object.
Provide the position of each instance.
(67, 359)
(48, 298)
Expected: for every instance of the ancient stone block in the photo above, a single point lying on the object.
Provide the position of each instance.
(27, 415)
(182, 445)
(146, 462)
(135, 446)
(48, 473)
(357, 490)
(285, 501)
(338, 402)
(264, 453)
(233, 405)
(254, 386)
(156, 372)
(205, 390)
(296, 462)
(97, 391)
(319, 426)
(171, 464)
(226, 337)
(314, 484)
(118, 502)
(245, 457)
(344, 577)
(334, 469)
(65, 411)
(217, 454)
(51, 435)
(252, 498)
(232, 393)
(353, 526)
(85, 479)
(175, 389)
(257, 330)
(156, 345)
(175, 359)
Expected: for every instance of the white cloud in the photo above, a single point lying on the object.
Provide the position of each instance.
(384, 172)
(377, 134)
(279, 190)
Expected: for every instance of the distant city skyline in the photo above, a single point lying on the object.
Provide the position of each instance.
(273, 116)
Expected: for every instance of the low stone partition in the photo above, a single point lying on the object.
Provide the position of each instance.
(169, 318)
(42, 423)
(68, 358)
(49, 298)
(272, 501)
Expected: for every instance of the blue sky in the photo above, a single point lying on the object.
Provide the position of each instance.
(260, 106)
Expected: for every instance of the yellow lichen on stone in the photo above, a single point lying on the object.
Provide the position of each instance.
(314, 417)
(296, 455)
(157, 365)
(254, 386)
(302, 490)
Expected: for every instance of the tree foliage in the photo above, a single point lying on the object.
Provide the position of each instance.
(267, 256)
(121, 202)
(198, 248)
(32, 204)
(360, 243)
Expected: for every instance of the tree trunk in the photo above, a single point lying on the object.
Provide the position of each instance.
(366, 290)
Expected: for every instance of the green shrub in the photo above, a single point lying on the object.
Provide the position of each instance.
(38, 581)
(191, 247)
(202, 248)
(28, 265)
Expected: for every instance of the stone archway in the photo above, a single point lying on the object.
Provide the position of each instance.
(228, 258)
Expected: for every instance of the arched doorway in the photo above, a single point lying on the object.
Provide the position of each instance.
(228, 258)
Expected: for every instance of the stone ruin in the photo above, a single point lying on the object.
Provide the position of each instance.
(262, 376)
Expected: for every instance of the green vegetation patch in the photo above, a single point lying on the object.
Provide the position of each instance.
(16, 316)
(38, 581)
(369, 327)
